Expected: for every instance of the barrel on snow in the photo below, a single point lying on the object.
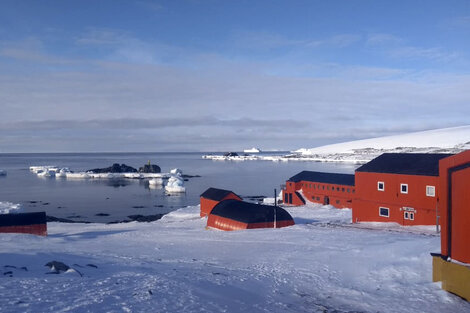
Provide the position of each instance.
(236, 215)
(25, 223)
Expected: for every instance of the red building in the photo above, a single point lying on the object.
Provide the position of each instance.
(319, 187)
(237, 215)
(212, 196)
(452, 265)
(25, 223)
(398, 187)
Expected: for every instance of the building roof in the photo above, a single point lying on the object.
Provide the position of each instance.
(246, 212)
(426, 164)
(322, 177)
(216, 194)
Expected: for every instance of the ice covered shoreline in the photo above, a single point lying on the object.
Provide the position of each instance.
(175, 265)
(447, 140)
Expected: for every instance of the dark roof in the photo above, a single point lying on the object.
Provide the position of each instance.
(321, 177)
(246, 212)
(426, 164)
(22, 219)
(216, 194)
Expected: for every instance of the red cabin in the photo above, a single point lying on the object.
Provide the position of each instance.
(212, 196)
(24, 223)
(237, 215)
(319, 187)
(398, 187)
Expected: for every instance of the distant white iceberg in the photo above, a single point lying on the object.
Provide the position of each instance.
(3, 173)
(252, 150)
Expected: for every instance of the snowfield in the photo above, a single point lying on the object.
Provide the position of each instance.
(322, 264)
(445, 140)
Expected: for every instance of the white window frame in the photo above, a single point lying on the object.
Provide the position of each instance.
(412, 216)
(401, 188)
(388, 211)
(406, 215)
(433, 188)
(378, 186)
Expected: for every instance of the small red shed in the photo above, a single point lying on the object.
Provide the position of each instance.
(398, 187)
(237, 215)
(212, 196)
(326, 188)
(452, 265)
(24, 223)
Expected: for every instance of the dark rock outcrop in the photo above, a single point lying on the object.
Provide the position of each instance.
(115, 168)
(231, 154)
(150, 168)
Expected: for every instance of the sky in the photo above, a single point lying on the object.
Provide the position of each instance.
(215, 75)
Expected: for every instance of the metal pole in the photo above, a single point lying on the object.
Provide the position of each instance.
(275, 201)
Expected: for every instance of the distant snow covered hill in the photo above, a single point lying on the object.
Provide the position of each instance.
(446, 140)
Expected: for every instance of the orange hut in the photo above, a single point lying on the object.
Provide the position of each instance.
(237, 215)
(212, 196)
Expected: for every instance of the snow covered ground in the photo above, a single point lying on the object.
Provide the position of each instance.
(175, 265)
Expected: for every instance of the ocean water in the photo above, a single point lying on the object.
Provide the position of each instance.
(105, 200)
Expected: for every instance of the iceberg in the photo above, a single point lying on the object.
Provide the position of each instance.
(175, 184)
(252, 150)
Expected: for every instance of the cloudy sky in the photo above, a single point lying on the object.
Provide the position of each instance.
(218, 75)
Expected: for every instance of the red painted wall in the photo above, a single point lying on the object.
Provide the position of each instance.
(457, 204)
(368, 199)
(339, 196)
(227, 224)
(207, 204)
(38, 229)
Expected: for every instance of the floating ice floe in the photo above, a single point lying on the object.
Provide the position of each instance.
(43, 168)
(63, 172)
(9, 207)
(46, 173)
(77, 175)
(3, 173)
(176, 171)
(175, 183)
(157, 181)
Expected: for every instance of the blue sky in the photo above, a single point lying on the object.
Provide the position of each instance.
(227, 75)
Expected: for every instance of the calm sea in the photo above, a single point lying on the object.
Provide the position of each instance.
(104, 200)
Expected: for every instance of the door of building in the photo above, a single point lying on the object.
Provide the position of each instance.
(460, 215)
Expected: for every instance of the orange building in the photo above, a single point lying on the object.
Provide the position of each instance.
(238, 215)
(25, 223)
(212, 196)
(319, 187)
(452, 265)
(398, 187)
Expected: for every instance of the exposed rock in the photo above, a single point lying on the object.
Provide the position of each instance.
(230, 154)
(115, 168)
(50, 218)
(145, 218)
(150, 168)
